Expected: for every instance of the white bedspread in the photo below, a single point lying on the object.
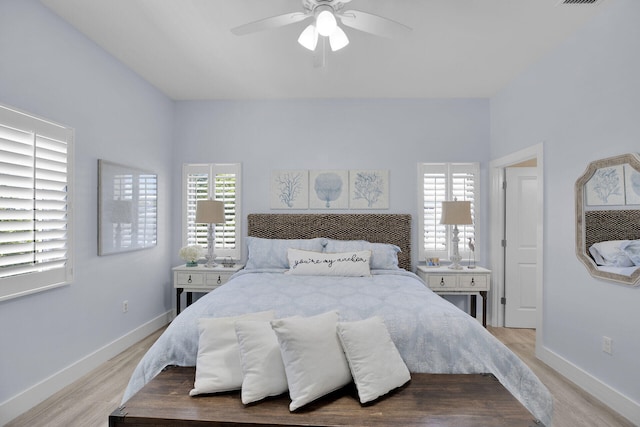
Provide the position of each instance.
(432, 335)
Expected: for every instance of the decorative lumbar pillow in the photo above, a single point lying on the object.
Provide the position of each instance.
(384, 256)
(218, 366)
(313, 358)
(329, 264)
(610, 253)
(262, 365)
(272, 253)
(376, 365)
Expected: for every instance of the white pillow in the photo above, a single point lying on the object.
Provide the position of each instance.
(610, 253)
(384, 256)
(218, 366)
(632, 250)
(272, 253)
(309, 263)
(262, 365)
(376, 365)
(313, 357)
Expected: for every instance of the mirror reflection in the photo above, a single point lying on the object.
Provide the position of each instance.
(608, 219)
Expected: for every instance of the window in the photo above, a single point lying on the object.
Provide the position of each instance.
(213, 181)
(440, 182)
(35, 204)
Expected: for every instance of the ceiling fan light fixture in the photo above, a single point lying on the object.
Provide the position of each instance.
(309, 38)
(338, 39)
(326, 22)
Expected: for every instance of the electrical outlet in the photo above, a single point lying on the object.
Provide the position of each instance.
(125, 306)
(607, 345)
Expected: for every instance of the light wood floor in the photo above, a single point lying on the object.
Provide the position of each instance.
(89, 401)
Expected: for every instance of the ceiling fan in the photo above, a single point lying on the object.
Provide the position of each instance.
(325, 15)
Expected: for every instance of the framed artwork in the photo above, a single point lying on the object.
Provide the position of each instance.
(290, 189)
(127, 208)
(631, 185)
(329, 189)
(606, 187)
(369, 189)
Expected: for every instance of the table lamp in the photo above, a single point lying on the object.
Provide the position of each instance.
(456, 213)
(210, 212)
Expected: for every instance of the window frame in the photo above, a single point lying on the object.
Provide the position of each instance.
(38, 279)
(448, 170)
(211, 170)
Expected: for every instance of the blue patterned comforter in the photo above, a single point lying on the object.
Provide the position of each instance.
(432, 335)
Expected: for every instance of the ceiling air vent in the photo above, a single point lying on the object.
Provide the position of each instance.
(579, 1)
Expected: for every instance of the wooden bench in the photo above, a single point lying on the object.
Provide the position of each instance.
(427, 400)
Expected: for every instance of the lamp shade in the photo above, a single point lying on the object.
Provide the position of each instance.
(210, 211)
(325, 21)
(338, 39)
(309, 38)
(456, 213)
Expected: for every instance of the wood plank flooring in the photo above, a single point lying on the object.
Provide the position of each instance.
(89, 401)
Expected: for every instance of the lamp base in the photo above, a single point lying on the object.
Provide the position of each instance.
(211, 257)
(455, 257)
(211, 262)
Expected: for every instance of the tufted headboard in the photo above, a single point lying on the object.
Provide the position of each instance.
(375, 228)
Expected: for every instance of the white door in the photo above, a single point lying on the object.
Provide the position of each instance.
(521, 248)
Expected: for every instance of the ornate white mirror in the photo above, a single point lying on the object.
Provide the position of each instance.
(608, 219)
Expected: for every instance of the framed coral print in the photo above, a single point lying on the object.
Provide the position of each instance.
(290, 189)
(606, 187)
(631, 185)
(127, 208)
(329, 189)
(369, 189)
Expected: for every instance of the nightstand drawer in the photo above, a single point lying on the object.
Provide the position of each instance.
(190, 279)
(471, 282)
(443, 281)
(217, 279)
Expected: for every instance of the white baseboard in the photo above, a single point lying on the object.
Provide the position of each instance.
(36, 394)
(601, 391)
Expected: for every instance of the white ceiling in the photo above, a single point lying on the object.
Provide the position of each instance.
(458, 48)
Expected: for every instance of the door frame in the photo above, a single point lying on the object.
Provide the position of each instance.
(497, 227)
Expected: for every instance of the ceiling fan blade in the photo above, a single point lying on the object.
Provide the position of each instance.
(374, 24)
(270, 23)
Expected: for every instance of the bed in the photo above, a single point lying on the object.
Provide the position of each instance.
(430, 334)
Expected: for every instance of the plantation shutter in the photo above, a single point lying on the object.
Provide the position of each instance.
(463, 189)
(445, 182)
(35, 248)
(218, 182)
(147, 210)
(434, 193)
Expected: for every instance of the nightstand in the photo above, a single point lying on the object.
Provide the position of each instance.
(200, 279)
(468, 281)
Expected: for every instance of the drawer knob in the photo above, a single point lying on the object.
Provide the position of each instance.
(442, 281)
(189, 280)
(219, 280)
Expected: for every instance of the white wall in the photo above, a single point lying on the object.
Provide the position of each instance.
(583, 102)
(331, 134)
(48, 69)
